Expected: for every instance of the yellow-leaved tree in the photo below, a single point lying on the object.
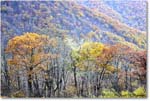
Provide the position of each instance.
(95, 56)
(88, 53)
(29, 53)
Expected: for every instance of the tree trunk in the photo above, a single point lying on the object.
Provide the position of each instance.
(117, 88)
(36, 86)
(75, 80)
(130, 81)
(7, 78)
(18, 79)
(100, 81)
(82, 88)
(30, 82)
(126, 82)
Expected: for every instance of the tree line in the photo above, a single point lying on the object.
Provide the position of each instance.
(36, 65)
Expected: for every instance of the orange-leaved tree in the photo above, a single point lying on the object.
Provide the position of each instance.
(29, 53)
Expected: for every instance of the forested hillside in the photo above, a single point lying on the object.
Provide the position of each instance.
(73, 49)
(126, 11)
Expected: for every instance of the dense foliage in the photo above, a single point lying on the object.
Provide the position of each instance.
(67, 49)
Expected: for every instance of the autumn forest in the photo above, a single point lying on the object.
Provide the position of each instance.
(73, 49)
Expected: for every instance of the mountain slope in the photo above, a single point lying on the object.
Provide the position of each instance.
(102, 7)
(132, 13)
(59, 18)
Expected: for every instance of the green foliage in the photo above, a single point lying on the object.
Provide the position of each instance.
(91, 50)
(126, 94)
(75, 55)
(140, 92)
(109, 93)
(85, 56)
